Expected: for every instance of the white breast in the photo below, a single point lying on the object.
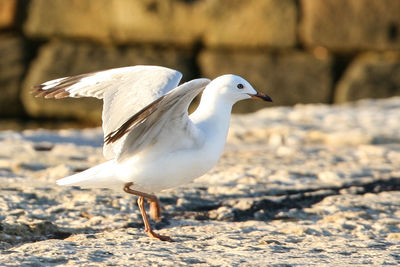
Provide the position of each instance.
(153, 172)
(164, 165)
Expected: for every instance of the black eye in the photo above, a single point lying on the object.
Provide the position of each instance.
(240, 86)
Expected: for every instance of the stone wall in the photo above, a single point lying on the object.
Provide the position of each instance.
(297, 51)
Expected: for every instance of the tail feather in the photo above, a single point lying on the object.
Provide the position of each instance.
(97, 177)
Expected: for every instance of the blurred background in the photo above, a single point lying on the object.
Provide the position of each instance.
(296, 51)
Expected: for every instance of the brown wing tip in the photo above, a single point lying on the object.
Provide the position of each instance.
(37, 91)
(112, 137)
(61, 95)
(117, 134)
(57, 93)
(107, 139)
(37, 87)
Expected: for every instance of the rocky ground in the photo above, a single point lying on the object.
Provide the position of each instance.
(308, 185)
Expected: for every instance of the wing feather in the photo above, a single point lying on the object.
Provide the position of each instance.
(125, 91)
(148, 125)
(132, 122)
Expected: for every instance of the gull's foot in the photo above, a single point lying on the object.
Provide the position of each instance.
(160, 237)
(155, 211)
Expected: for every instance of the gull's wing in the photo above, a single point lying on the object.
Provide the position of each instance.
(125, 91)
(164, 119)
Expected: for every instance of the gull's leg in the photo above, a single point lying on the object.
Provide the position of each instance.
(156, 207)
(147, 227)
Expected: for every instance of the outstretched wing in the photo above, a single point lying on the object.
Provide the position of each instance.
(163, 119)
(91, 84)
(125, 91)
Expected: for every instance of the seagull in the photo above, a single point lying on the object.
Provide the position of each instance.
(151, 143)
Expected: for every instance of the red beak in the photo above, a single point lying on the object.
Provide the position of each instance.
(261, 96)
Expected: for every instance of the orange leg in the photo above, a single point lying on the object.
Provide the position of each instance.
(155, 211)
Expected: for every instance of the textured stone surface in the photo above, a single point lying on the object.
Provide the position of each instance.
(289, 78)
(290, 189)
(7, 13)
(370, 76)
(218, 23)
(344, 25)
(58, 59)
(48, 18)
(12, 67)
(252, 23)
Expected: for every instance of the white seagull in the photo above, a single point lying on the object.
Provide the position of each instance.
(151, 143)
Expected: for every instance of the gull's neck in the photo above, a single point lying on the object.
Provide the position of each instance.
(212, 117)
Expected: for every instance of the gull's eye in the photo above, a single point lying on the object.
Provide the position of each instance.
(240, 86)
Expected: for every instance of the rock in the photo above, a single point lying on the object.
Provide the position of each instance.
(60, 59)
(289, 78)
(16, 233)
(217, 23)
(250, 23)
(256, 207)
(222, 214)
(12, 67)
(342, 25)
(7, 13)
(373, 75)
(49, 19)
(350, 138)
(395, 236)
(331, 178)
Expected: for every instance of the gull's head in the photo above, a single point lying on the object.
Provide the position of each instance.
(234, 88)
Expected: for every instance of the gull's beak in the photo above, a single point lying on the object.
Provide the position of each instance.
(261, 96)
